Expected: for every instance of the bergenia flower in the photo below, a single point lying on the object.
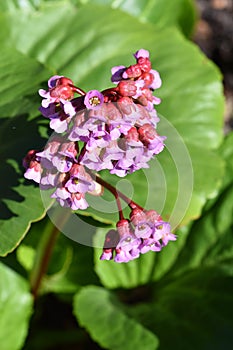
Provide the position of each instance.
(115, 130)
(93, 99)
(144, 232)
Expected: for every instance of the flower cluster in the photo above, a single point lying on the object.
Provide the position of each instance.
(113, 129)
(57, 168)
(144, 231)
(138, 81)
(117, 125)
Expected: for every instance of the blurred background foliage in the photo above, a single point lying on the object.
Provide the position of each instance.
(179, 298)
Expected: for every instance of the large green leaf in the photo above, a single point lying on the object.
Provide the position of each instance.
(15, 309)
(162, 13)
(20, 201)
(192, 106)
(191, 311)
(21, 77)
(98, 311)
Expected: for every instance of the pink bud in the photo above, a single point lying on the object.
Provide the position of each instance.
(127, 88)
(133, 71)
(63, 92)
(152, 216)
(132, 135)
(137, 215)
(144, 63)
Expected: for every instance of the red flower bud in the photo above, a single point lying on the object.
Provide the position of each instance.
(144, 64)
(133, 71)
(64, 92)
(127, 88)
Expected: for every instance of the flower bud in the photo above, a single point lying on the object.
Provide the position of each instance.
(133, 71)
(144, 63)
(127, 88)
(137, 215)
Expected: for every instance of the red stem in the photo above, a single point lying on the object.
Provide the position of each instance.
(117, 193)
(78, 90)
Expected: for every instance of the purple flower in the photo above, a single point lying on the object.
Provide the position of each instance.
(33, 172)
(49, 179)
(142, 53)
(80, 181)
(60, 154)
(62, 163)
(32, 163)
(79, 129)
(54, 146)
(117, 72)
(62, 195)
(99, 138)
(150, 244)
(157, 82)
(60, 90)
(110, 243)
(52, 82)
(93, 99)
(143, 230)
(78, 201)
(91, 159)
(59, 120)
(48, 99)
(151, 139)
(107, 254)
(69, 109)
(127, 247)
(163, 233)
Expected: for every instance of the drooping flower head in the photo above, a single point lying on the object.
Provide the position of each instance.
(144, 232)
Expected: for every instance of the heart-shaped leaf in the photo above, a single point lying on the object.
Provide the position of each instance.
(98, 311)
(72, 41)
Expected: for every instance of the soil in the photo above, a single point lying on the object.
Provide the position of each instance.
(214, 35)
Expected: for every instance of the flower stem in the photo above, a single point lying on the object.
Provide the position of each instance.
(79, 91)
(117, 193)
(44, 253)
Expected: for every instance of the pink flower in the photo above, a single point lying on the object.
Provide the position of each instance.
(93, 99)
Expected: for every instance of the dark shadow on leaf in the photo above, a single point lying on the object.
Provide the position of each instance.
(18, 136)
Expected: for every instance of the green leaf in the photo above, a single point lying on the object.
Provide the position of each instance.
(210, 240)
(15, 309)
(226, 151)
(18, 89)
(20, 202)
(162, 13)
(195, 310)
(25, 256)
(150, 266)
(192, 108)
(181, 13)
(98, 311)
(14, 228)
